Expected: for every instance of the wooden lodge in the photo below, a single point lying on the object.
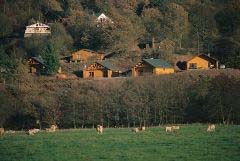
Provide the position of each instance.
(101, 69)
(201, 61)
(152, 66)
(37, 29)
(86, 55)
(36, 65)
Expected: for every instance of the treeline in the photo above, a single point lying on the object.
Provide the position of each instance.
(151, 100)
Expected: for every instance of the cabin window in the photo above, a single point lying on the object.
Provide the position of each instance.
(193, 66)
(140, 72)
(91, 74)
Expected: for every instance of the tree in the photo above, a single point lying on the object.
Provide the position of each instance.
(5, 25)
(51, 59)
(227, 50)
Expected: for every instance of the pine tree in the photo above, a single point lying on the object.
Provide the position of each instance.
(51, 60)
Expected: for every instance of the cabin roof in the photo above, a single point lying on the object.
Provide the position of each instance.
(158, 63)
(205, 56)
(38, 25)
(103, 16)
(39, 59)
(108, 65)
(91, 51)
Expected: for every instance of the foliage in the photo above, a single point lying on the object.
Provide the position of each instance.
(193, 25)
(51, 59)
(150, 100)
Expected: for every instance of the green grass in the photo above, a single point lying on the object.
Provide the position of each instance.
(190, 143)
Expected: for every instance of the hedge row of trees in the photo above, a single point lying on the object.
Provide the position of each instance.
(124, 102)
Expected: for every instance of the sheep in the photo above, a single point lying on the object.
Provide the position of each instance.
(52, 128)
(99, 129)
(135, 130)
(10, 132)
(169, 129)
(211, 128)
(32, 131)
(1, 131)
(143, 128)
(175, 127)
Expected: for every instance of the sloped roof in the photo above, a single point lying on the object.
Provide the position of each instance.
(205, 56)
(103, 16)
(38, 25)
(39, 59)
(91, 51)
(108, 65)
(158, 63)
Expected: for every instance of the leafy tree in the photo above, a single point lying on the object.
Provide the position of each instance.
(228, 21)
(227, 50)
(6, 26)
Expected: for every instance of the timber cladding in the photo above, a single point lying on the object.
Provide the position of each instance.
(101, 69)
(36, 64)
(152, 66)
(202, 62)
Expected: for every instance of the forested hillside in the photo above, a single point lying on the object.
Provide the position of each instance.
(190, 26)
(187, 27)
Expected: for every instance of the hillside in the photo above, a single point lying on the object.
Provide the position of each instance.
(176, 26)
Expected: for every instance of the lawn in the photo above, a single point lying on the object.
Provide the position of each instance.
(190, 143)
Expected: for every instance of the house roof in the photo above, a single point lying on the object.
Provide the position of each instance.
(108, 65)
(205, 56)
(38, 25)
(39, 59)
(103, 16)
(187, 58)
(158, 63)
(91, 51)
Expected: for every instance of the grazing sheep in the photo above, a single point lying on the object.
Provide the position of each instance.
(175, 127)
(99, 129)
(52, 128)
(32, 131)
(211, 128)
(1, 131)
(169, 129)
(143, 128)
(10, 132)
(135, 130)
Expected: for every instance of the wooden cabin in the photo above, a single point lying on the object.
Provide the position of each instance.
(101, 69)
(152, 66)
(36, 65)
(202, 61)
(86, 55)
(37, 29)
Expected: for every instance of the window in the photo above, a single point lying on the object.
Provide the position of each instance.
(91, 74)
(193, 66)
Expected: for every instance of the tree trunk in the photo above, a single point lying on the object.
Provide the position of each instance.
(93, 121)
(83, 118)
(153, 42)
(128, 120)
(74, 116)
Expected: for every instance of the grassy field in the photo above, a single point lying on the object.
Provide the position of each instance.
(190, 143)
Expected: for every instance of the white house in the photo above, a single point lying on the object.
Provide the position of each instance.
(37, 28)
(103, 19)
